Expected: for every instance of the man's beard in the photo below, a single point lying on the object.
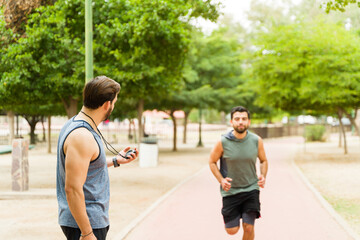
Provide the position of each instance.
(241, 130)
(107, 115)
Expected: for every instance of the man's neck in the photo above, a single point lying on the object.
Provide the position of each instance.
(239, 135)
(91, 116)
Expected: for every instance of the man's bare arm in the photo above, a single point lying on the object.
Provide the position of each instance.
(263, 163)
(215, 155)
(79, 151)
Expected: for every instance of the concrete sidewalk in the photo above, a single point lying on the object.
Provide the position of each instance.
(290, 210)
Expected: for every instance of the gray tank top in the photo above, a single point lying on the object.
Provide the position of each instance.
(96, 187)
(239, 162)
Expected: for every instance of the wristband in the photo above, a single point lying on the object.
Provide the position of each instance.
(114, 160)
(84, 236)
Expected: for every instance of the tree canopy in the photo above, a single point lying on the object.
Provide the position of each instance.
(308, 66)
(138, 43)
(339, 4)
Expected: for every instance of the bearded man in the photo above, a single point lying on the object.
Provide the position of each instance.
(82, 182)
(238, 151)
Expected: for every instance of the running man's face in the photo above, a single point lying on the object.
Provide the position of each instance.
(240, 122)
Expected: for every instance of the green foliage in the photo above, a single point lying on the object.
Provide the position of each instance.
(44, 65)
(141, 44)
(339, 5)
(194, 116)
(315, 133)
(307, 66)
(212, 72)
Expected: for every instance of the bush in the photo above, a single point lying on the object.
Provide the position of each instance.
(315, 133)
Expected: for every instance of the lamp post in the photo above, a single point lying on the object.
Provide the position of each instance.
(88, 41)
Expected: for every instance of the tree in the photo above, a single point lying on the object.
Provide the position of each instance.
(46, 63)
(139, 43)
(308, 66)
(146, 45)
(210, 77)
(16, 12)
(339, 5)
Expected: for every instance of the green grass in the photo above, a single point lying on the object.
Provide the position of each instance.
(348, 208)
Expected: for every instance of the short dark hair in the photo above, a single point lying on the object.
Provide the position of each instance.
(239, 109)
(100, 90)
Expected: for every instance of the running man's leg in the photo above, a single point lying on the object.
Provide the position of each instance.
(248, 225)
(233, 226)
(231, 214)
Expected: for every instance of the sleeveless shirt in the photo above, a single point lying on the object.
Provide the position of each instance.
(96, 187)
(238, 162)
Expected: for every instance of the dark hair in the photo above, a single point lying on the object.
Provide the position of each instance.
(100, 90)
(239, 109)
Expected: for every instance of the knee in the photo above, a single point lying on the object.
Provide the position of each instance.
(232, 231)
(248, 228)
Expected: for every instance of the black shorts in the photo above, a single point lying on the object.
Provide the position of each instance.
(74, 233)
(234, 206)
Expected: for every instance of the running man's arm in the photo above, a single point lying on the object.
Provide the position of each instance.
(215, 155)
(263, 163)
(78, 157)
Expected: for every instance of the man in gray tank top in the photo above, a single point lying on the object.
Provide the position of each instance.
(238, 151)
(82, 180)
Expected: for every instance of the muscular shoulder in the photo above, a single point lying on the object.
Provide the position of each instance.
(81, 139)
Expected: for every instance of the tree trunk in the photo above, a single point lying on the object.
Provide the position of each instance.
(70, 105)
(343, 131)
(49, 135)
(129, 132)
(143, 127)
(43, 127)
(200, 144)
(174, 130)
(187, 113)
(17, 126)
(140, 112)
(340, 137)
(32, 121)
(352, 120)
(10, 115)
(133, 123)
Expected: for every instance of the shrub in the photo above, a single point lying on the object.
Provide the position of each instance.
(315, 133)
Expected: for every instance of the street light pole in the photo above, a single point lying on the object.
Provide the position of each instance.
(88, 41)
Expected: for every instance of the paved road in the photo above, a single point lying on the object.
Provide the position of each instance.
(290, 211)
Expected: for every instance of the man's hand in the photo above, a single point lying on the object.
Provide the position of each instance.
(261, 181)
(226, 184)
(131, 156)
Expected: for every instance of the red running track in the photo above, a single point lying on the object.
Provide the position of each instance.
(290, 211)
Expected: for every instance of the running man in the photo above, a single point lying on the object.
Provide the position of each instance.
(238, 151)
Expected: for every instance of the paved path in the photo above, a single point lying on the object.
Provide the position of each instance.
(290, 211)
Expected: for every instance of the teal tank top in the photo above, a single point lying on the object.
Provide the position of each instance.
(96, 187)
(238, 162)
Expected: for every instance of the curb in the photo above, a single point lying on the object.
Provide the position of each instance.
(140, 218)
(326, 204)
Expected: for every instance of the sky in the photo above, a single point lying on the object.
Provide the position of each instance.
(237, 9)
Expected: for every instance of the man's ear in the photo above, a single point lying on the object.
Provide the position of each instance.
(106, 105)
